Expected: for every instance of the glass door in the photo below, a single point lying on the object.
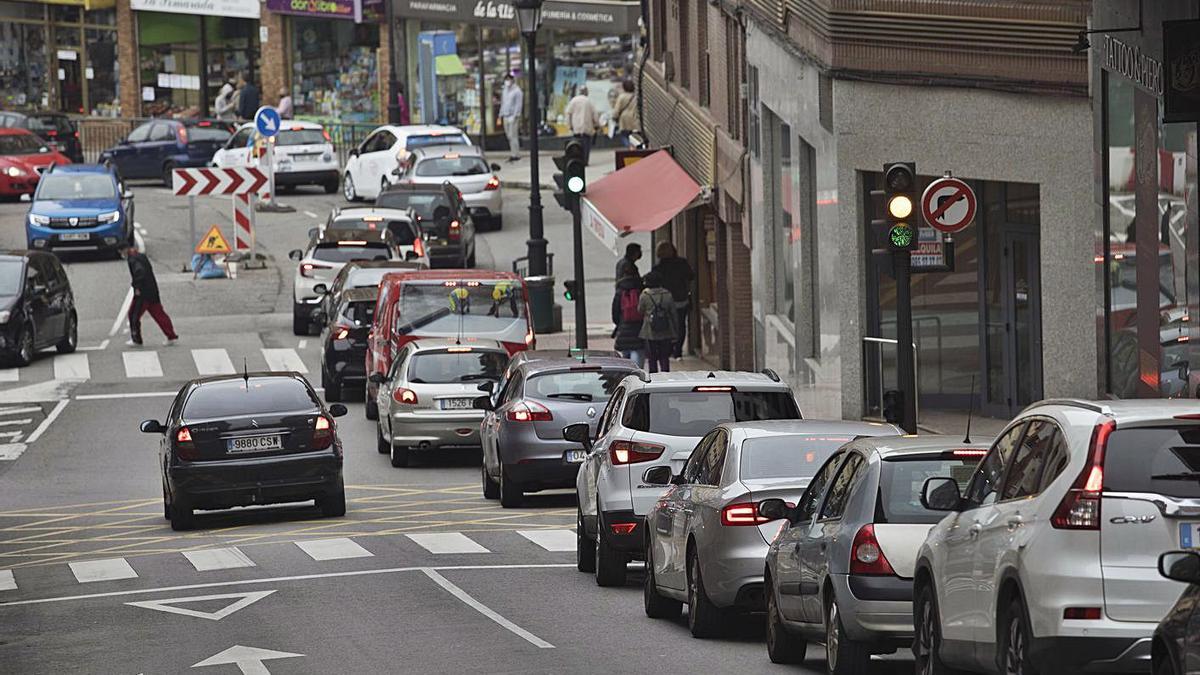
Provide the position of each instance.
(1013, 324)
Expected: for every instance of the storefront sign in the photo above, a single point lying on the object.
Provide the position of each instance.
(242, 9)
(1142, 70)
(602, 16)
(359, 10)
(1181, 54)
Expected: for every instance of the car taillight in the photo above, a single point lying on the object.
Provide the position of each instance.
(182, 134)
(629, 452)
(530, 339)
(322, 433)
(493, 183)
(405, 396)
(342, 333)
(419, 247)
(866, 557)
(1080, 507)
(1082, 613)
(529, 411)
(455, 230)
(184, 447)
(306, 270)
(743, 513)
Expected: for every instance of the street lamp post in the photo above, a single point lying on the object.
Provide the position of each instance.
(529, 19)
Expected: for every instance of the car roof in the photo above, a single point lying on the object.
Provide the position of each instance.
(83, 168)
(564, 364)
(374, 264)
(252, 375)
(891, 446)
(417, 129)
(678, 380)
(15, 131)
(414, 187)
(361, 211)
(1132, 410)
(473, 274)
(437, 343)
(288, 125)
(539, 354)
(436, 151)
(335, 234)
(764, 428)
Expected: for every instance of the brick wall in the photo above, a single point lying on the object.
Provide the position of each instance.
(130, 88)
(273, 64)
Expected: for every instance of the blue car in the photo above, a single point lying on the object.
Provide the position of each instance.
(80, 206)
(155, 148)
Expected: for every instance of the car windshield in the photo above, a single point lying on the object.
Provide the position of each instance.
(452, 166)
(423, 203)
(235, 397)
(401, 230)
(1162, 460)
(358, 312)
(787, 456)
(902, 479)
(208, 133)
(456, 366)
(68, 186)
(367, 277)
(300, 137)
(695, 413)
(425, 140)
(10, 277)
(577, 385)
(22, 144)
(491, 309)
(342, 252)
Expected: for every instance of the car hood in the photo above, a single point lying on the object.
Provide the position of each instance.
(42, 159)
(73, 207)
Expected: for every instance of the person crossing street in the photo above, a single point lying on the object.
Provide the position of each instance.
(145, 298)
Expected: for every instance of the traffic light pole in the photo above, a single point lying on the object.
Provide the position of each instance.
(581, 334)
(905, 359)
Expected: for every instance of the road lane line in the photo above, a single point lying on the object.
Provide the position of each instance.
(310, 214)
(14, 423)
(138, 394)
(7, 582)
(446, 542)
(212, 362)
(102, 570)
(10, 374)
(209, 559)
(302, 344)
(72, 367)
(551, 540)
(486, 611)
(333, 549)
(142, 364)
(19, 411)
(11, 451)
(284, 359)
(41, 429)
(122, 314)
(96, 348)
(11, 435)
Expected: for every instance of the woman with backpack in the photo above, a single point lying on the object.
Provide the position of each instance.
(659, 322)
(628, 320)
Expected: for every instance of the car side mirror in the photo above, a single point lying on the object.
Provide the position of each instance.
(377, 378)
(127, 194)
(152, 427)
(354, 152)
(773, 509)
(313, 231)
(941, 494)
(337, 410)
(579, 433)
(411, 255)
(296, 254)
(657, 475)
(320, 289)
(487, 385)
(494, 166)
(1180, 566)
(483, 403)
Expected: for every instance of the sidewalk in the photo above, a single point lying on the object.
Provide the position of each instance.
(599, 337)
(516, 174)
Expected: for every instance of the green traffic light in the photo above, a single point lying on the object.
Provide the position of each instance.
(901, 236)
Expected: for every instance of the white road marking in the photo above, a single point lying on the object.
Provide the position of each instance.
(72, 367)
(310, 214)
(96, 348)
(284, 359)
(142, 364)
(102, 570)
(19, 411)
(212, 362)
(486, 611)
(11, 435)
(10, 374)
(333, 549)
(249, 660)
(551, 540)
(139, 394)
(7, 582)
(218, 559)
(122, 314)
(140, 241)
(446, 542)
(14, 423)
(41, 428)
(171, 605)
(302, 344)
(11, 451)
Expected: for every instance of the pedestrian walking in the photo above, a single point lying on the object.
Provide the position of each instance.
(512, 100)
(677, 277)
(145, 298)
(659, 328)
(627, 319)
(627, 265)
(625, 112)
(583, 121)
(285, 104)
(224, 105)
(248, 101)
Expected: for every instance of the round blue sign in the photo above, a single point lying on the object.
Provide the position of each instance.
(267, 121)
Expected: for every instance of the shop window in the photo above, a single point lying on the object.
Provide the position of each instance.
(1118, 260)
(780, 199)
(684, 58)
(335, 75)
(753, 123)
(66, 13)
(733, 78)
(101, 72)
(24, 64)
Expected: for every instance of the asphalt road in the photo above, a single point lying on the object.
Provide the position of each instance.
(422, 575)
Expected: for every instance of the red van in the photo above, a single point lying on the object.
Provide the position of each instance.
(467, 304)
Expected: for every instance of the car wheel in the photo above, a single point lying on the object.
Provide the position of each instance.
(511, 494)
(927, 647)
(498, 223)
(333, 505)
(1165, 665)
(333, 388)
(383, 445)
(167, 176)
(610, 565)
(370, 405)
(782, 645)
(166, 504)
(348, 188)
(71, 338)
(1014, 641)
(490, 489)
(181, 516)
(299, 320)
(400, 455)
(843, 656)
(585, 547)
(23, 355)
(331, 187)
(383, 184)
(656, 605)
(704, 618)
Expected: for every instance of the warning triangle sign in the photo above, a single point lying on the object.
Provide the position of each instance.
(171, 606)
(213, 242)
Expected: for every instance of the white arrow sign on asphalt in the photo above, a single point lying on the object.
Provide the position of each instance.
(249, 660)
(170, 605)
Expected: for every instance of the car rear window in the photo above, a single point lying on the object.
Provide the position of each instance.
(208, 133)
(575, 385)
(360, 312)
(68, 186)
(300, 137)
(694, 413)
(787, 456)
(402, 230)
(231, 398)
(425, 140)
(466, 366)
(367, 277)
(901, 480)
(452, 166)
(22, 144)
(423, 203)
(57, 123)
(344, 253)
(1161, 460)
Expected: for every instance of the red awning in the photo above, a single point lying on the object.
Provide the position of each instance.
(643, 196)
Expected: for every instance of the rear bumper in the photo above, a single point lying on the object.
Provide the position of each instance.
(346, 365)
(543, 474)
(227, 483)
(432, 431)
(732, 567)
(318, 177)
(628, 543)
(446, 254)
(536, 463)
(875, 610)
(1092, 655)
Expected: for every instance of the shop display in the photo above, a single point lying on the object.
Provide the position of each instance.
(332, 79)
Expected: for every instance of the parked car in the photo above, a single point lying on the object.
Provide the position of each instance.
(1048, 560)
(1175, 651)
(426, 401)
(304, 155)
(154, 149)
(467, 305)
(253, 438)
(56, 129)
(80, 206)
(655, 420)
(23, 158)
(405, 231)
(344, 340)
(371, 166)
(320, 261)
(464, 167)
(705, 541)
(37, 307)
(443, 216)
(840, 571)
(521, 434)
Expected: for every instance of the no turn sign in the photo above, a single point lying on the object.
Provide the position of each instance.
(948, 205)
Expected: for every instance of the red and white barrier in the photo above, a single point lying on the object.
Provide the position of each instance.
(219, 181)
(243, 222)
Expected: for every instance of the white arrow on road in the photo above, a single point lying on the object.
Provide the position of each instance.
(249, 660)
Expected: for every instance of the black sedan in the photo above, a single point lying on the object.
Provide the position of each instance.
(344, 340)
(37, 308)
(241, 440)
(1175, 650)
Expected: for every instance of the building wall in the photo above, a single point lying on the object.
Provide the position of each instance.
(130, 88)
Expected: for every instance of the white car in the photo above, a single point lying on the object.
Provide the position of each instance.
(654, 420)
(372, 165)
(304, 155)
(466, 169)
(406, 233)
(329, 250)
(1048, 562)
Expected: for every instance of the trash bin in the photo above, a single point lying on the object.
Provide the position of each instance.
(541, 302)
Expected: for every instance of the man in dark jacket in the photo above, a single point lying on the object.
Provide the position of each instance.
(628, 320)
(627, 265)
(145, 298)
(677, 277)
(248, 101)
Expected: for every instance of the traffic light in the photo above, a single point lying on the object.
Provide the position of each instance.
(571, 181)
(899, 204)
(569, 293)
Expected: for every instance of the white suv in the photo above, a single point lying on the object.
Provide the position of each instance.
(304, 155)
(655, 420)
(1048, 561)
